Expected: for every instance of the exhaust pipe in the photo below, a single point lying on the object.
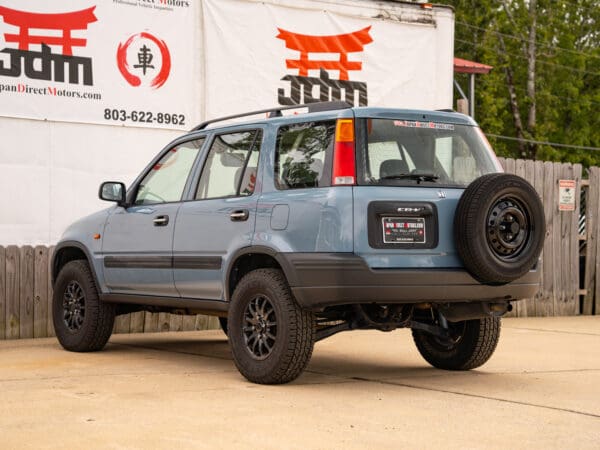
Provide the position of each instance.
(457, 312)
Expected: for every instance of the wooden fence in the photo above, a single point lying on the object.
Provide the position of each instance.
(560, 257)
(26, 300)
(26, 293)
(591, 238)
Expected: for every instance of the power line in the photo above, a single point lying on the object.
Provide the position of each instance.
(525, 57)
(540, 95)
(539, 44)
(523, 90)
(553, 95)
(551, 144)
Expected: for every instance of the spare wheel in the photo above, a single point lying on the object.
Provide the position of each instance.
(499, 228)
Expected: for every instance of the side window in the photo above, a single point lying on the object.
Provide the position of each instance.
(303, 156)
(166, 180)
(231, 166)
(456, 158)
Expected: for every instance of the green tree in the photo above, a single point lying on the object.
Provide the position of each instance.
(545, 85)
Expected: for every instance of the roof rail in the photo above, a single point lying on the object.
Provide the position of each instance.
(276, 112)
(445, 110)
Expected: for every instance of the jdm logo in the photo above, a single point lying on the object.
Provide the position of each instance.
(37, 38)
(144, 60)
(328, 89)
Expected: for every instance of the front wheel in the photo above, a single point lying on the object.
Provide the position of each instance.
(469, 345)
(82, 322)
(271, 336)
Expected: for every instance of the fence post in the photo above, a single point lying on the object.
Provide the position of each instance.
(591, 301)
(2, 292)
(12, 292)
(50, 324)
(40, 292)
(577, 172)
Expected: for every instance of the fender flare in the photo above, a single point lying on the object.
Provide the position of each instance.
(66, 244)
(288, 271)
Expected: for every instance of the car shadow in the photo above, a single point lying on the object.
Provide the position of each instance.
(324, 367)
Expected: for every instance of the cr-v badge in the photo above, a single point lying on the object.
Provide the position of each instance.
(441, 194)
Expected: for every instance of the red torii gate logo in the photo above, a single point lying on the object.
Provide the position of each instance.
(63, 22)
(341, 44)
(329, 89)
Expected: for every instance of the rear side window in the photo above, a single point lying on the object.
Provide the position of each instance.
(231, 166)
(303, 156)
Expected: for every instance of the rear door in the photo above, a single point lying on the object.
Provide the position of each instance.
(137, 241)
(219, 218)
(412, 174)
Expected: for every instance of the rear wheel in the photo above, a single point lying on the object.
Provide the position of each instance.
(82, 322)
(271, 336)
(470, 345)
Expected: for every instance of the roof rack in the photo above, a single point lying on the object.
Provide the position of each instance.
(276, 112)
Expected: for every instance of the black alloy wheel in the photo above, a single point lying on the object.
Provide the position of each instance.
(73, 306)
(83, 323)
(271, 336)
(260, 328)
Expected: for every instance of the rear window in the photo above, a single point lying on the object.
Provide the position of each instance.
(303, 156)
(401, 152)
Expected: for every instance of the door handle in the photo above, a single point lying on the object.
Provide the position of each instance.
(239, 215)
(161, 221)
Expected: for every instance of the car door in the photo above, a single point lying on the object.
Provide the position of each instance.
(138, 240)
(220, 217)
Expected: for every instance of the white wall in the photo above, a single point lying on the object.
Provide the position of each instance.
(50, 172)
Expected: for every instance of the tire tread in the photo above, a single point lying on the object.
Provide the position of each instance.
(479, 343)
(302, 330)
(470, 239)
(99, 316)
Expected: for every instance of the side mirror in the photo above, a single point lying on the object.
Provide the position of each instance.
(113, 191)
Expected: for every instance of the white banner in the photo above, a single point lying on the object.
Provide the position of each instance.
(260, 54)
(68, 65)
(120, 62)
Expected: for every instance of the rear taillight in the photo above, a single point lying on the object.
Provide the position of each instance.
(344, 165)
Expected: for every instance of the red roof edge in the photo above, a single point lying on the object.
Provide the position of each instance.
(466, 66)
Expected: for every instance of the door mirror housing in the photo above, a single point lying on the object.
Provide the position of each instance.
(113, 191)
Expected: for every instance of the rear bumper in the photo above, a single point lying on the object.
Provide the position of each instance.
(319, 280)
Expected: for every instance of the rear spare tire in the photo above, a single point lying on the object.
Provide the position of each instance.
(499, 228)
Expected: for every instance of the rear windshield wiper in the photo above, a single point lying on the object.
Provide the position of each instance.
(412, 176)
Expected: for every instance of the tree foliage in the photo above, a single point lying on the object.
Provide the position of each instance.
(547, 53)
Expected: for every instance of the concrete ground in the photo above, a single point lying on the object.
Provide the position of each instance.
(361, 390)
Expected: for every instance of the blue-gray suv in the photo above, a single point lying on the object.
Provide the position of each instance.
(294, 227)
